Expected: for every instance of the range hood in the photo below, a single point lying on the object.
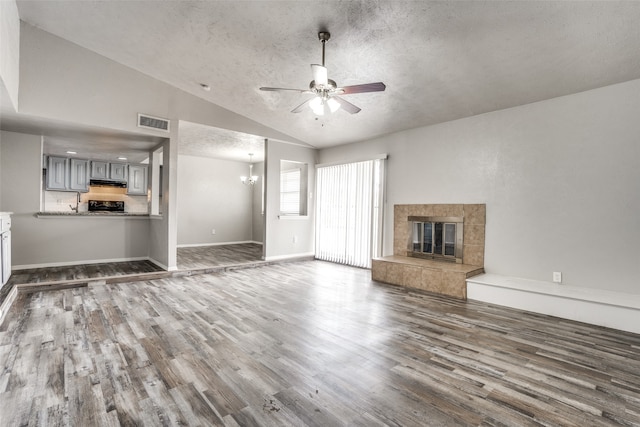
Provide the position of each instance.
(107, 183)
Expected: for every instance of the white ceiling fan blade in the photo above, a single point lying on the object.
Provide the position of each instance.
(302, 106)
(274, 89)
(320, 75)
(346, 105)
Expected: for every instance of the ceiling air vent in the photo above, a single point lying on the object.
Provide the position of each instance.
(150, 122)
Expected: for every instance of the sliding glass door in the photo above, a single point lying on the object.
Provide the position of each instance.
(349, 207)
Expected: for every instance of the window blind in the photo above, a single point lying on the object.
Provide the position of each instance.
(290, 192)
(349, 208)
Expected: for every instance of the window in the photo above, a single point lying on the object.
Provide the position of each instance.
(293, 188)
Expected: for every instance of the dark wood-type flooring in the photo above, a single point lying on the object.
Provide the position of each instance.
(84, 271)
(308, 343)
(76, 272)
(187, 259)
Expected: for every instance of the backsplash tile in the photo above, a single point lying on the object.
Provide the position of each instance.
(62, 201)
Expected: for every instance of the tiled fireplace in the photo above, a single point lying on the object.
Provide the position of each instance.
(436, 247)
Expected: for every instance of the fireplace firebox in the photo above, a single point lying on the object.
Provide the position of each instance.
(436, 238)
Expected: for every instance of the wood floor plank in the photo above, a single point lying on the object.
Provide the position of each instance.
(309, 343)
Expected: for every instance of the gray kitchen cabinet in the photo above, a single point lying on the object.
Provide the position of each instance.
(137, 180)
(118, 171)
(99, 170)
(106, 170)
(64, 174)
(57, 173)
(79, 175)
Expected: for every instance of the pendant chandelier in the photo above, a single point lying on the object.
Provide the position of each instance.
(251, 179)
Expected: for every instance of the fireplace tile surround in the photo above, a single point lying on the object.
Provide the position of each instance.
(439, 276)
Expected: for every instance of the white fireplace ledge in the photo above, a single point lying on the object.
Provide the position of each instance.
(554, 289)
(596, 306)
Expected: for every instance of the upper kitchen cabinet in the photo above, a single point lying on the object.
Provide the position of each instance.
(118, 171)
(57, 173)
(99, 170)
(106, 170)
(79, 175)
(137, 180)
(65, 174)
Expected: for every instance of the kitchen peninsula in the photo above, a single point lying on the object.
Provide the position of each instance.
(91, 214)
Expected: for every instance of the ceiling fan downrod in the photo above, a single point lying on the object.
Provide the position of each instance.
(324, 36)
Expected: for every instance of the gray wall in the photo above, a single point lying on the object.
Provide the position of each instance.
(64, 82)
(257, 231)
(61, 80)
(10, 48)
(211, 196)
(560, 179)
(2, 177)
(40, 241)
(281, 232)
(162, 234)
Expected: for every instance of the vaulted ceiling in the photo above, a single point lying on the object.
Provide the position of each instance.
(441, 61)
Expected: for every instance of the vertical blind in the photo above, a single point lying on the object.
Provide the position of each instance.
(349, 207)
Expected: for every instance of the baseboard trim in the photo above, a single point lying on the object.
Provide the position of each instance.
(87, 261)
(595, 306)
(290, 257)
(159, 264)
(198, 245)
(6, 304)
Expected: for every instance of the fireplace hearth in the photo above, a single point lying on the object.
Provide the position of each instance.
(436, 248)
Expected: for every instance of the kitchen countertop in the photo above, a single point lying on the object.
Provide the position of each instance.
(90, 214)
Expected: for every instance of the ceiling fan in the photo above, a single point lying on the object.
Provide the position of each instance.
(326, 91)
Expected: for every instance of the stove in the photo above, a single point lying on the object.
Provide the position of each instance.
(106, 206)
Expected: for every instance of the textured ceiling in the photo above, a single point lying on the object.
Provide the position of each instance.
(204, 141)
(440, 60)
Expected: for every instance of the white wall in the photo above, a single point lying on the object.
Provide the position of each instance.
(211, 196)
(55, 241)
(560, 179)
(287, 237)
(10, 48)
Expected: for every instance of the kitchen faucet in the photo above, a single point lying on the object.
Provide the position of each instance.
(77, 203)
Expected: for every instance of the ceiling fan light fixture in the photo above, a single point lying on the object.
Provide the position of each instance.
(324, 89)
(321, 106)
(333, 105)
(317, 106)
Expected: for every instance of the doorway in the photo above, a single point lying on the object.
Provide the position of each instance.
(220, 217)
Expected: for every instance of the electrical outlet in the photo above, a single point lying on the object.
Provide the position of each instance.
(295, 239)
(213, 231)
(557, 277)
